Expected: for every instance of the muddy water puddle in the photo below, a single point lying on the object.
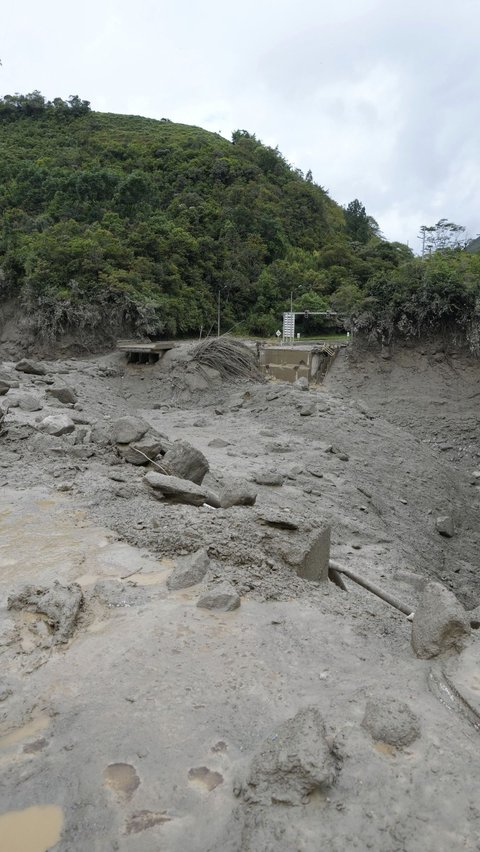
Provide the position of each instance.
(34, 829)
(121, 778)
(42, 537)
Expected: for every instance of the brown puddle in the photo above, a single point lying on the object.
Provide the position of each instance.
(121, 778)
(34, 829)
(206, 777)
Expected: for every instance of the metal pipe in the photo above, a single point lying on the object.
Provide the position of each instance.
(407, 610)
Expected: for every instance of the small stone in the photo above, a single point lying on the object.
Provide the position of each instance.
(440, 623)
(29, 402)
(445, 526)
(57, 424)
(268, 477)
(219, 443)
(301, 384)
(25, 365)
(307, 410)
(237, 492)
(221, 596)
(391, 721)
(277, 518)
(128, 429)
(189, 570)
(149, 448)
(64, 394)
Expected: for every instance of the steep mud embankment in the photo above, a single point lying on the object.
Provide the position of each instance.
(292, 716)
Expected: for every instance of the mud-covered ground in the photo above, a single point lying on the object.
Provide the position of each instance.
(150, 723)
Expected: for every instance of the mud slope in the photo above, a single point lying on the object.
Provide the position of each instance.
(302, 719)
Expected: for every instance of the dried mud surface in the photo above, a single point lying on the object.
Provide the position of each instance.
(155, 723)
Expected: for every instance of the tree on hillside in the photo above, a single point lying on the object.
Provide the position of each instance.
(357, 222)
(442, 236)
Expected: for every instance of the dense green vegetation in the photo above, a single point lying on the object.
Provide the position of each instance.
(114, 222)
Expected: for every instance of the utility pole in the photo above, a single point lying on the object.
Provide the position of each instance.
(218, 314)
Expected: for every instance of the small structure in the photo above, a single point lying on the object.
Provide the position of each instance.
(289, 363)
(139, 352)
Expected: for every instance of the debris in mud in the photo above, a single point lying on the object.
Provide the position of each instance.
(391, 721)
(295, 761)
(231, 358)
(189, 570)
(59, 604)
(141, 820)
(219, 596)
(440, 623)
(179, 490)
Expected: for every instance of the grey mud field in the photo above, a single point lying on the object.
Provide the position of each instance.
(281, 714)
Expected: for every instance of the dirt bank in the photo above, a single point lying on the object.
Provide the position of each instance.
(155, 722)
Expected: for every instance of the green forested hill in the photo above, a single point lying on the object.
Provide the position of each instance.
(112, 222)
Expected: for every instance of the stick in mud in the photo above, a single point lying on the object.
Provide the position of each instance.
(407, 610)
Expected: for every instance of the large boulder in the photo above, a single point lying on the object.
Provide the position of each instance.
(179, 490)
(57, 424)
(127, 429)
(186, 462)
(292, 763)
(440, 623)
(25, 365)
(189, 570)
(64, 394)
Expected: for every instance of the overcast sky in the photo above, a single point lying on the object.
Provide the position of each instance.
(379, 99)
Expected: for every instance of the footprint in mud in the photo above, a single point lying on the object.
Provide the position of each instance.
(204, 776)
(121, 778)
(142, 820)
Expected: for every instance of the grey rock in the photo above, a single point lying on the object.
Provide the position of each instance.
(189, 570)
(151, 446)
(277, 518)
(186, 462)
(315, 558)
(57, 424)
(440, 623)
(59, 604)
(218, 442)
(237, 492)
(4, 387)
(268, 477)
(179, 490)
(29, 402)
(25, 365)
(445, 526)
(128, 429)
(301, 383)
(221, 596)
(307, 410)
(63, 394)
(293, 762)
(391, 721)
